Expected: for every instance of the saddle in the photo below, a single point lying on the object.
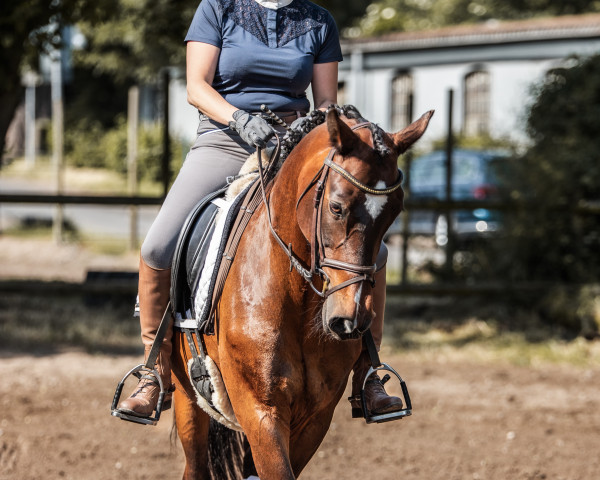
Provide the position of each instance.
(192, 253)
(200, 262)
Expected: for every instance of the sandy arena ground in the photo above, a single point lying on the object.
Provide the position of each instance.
(470, 421)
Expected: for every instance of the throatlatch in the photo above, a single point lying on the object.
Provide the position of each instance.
(376, 366)
(148, 371)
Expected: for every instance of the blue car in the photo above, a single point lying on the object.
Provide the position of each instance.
(474, 177)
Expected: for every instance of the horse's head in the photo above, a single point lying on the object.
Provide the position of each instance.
(347, 208)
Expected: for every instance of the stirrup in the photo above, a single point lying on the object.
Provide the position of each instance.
(384, 417)
(135, 371)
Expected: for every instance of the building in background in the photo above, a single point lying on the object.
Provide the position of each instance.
(490, 67)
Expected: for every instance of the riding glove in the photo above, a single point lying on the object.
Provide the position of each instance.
(255, 131)
(301, 124)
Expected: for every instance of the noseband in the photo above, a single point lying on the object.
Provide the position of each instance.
(318, 257)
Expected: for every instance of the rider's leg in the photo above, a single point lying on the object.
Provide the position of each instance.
(377, 400)
(215, 155)
(154, 289)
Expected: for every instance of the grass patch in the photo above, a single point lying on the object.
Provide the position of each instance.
(30, 323)
(485, 331)
(440, 329)
(105, 245)
(483, 341)
(41, 229)
(88, 180)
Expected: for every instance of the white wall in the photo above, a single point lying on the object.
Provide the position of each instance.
(511, 84)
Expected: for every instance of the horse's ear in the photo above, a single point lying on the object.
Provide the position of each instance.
(341, 136)
(409, 135)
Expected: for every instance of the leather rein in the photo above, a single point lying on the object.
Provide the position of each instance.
(318, 257)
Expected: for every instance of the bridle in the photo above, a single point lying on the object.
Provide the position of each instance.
(318, 258)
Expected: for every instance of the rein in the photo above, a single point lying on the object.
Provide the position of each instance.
(318, 257)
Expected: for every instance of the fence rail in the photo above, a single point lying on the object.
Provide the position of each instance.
(592, 208)
(79, 199)
(583, 207)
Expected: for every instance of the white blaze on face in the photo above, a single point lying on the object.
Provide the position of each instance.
(375, 203)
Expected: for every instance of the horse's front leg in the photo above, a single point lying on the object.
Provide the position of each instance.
(306, 439)
(192, 423)
(268, 434)
(261, 403)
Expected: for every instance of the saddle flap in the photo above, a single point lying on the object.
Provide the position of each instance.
(190, 253)
(192, 288)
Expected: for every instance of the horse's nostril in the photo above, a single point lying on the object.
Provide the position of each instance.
(341, 326)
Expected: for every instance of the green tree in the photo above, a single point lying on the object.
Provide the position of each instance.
(406, 15)
(28, 27)
(548, 240)
(138, 39)
(142, 36)
(345, 12)
(127, 40)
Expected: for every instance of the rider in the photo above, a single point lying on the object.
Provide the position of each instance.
(241, 54)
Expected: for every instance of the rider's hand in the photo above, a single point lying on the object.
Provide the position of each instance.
(255, 131)
(301, 124)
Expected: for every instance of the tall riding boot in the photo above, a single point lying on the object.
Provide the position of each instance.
(377, 400)
(154, 292)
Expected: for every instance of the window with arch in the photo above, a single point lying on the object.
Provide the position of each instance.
(402, 90)
(477, 103)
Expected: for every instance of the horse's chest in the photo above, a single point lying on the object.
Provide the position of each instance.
(323, 385)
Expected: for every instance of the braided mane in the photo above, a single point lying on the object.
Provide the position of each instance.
(317, 117)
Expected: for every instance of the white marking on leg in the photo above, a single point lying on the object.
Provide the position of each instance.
(375, 203)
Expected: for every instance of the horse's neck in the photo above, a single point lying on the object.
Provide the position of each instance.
(282, 205)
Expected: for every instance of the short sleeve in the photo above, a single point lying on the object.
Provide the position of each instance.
(206, 25)
(330, 50)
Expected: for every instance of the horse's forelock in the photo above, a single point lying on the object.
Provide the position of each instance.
(379, 144)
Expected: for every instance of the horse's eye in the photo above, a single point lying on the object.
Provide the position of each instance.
(336, 209)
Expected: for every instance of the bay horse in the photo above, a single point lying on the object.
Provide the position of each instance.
(285, 351)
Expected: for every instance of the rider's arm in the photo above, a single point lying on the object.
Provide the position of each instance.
(325, 84)
(201, 64)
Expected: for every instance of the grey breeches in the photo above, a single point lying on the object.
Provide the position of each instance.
(217, 153)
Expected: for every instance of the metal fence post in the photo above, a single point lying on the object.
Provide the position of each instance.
(57, 147)
(450, 244)
(406, 215)
(132, 154)
(166, 143)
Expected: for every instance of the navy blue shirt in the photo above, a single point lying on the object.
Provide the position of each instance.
(267, 56)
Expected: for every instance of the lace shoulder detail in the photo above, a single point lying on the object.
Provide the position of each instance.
(293, 20)
(249, 15)
(298, 18)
